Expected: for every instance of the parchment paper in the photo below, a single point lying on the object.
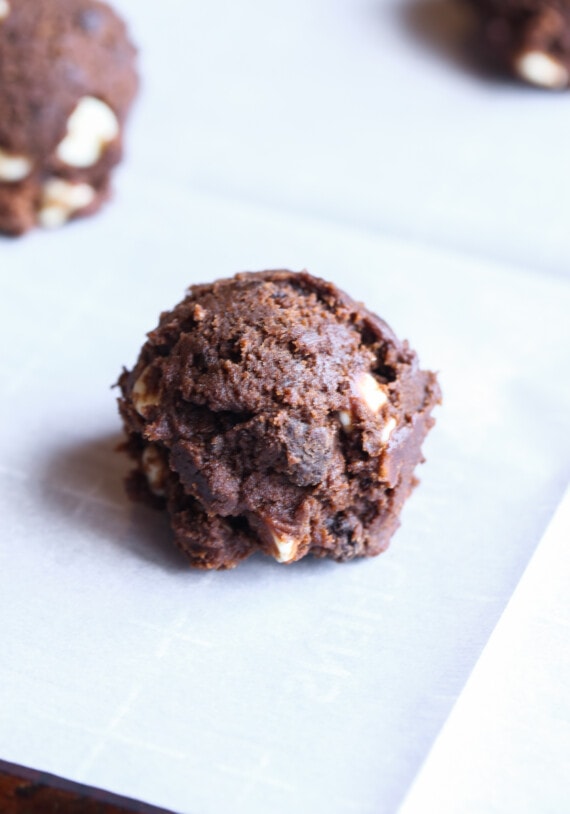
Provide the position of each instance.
(267, 688)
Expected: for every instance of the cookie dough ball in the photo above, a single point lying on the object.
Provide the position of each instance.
(530, 38)
(67, 81)
(270, 412)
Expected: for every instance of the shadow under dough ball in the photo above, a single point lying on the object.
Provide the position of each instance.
(529, 38)
(270, 412)
(67, 81)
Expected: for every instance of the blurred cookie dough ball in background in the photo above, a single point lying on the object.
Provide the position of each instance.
(67, 81)
(529, 38)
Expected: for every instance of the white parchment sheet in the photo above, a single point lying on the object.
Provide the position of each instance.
(505, 746)
(368, 112)
(266, 689)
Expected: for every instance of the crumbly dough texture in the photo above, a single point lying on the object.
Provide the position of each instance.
(529, 38)
(58, 57)
(270, 412)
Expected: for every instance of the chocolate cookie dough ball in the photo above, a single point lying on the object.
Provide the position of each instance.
(530, 38)
(67, 81)
(270, 412)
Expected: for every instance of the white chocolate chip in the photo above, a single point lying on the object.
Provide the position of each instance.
(370, 392)
(62, 199)
(154, 469)
(286, 548)
(90, 128)
(4, 9)
(141, 396)
(387, 431)
(13, 167)
(541, 69)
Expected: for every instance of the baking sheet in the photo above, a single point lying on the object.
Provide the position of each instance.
(267, 688)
